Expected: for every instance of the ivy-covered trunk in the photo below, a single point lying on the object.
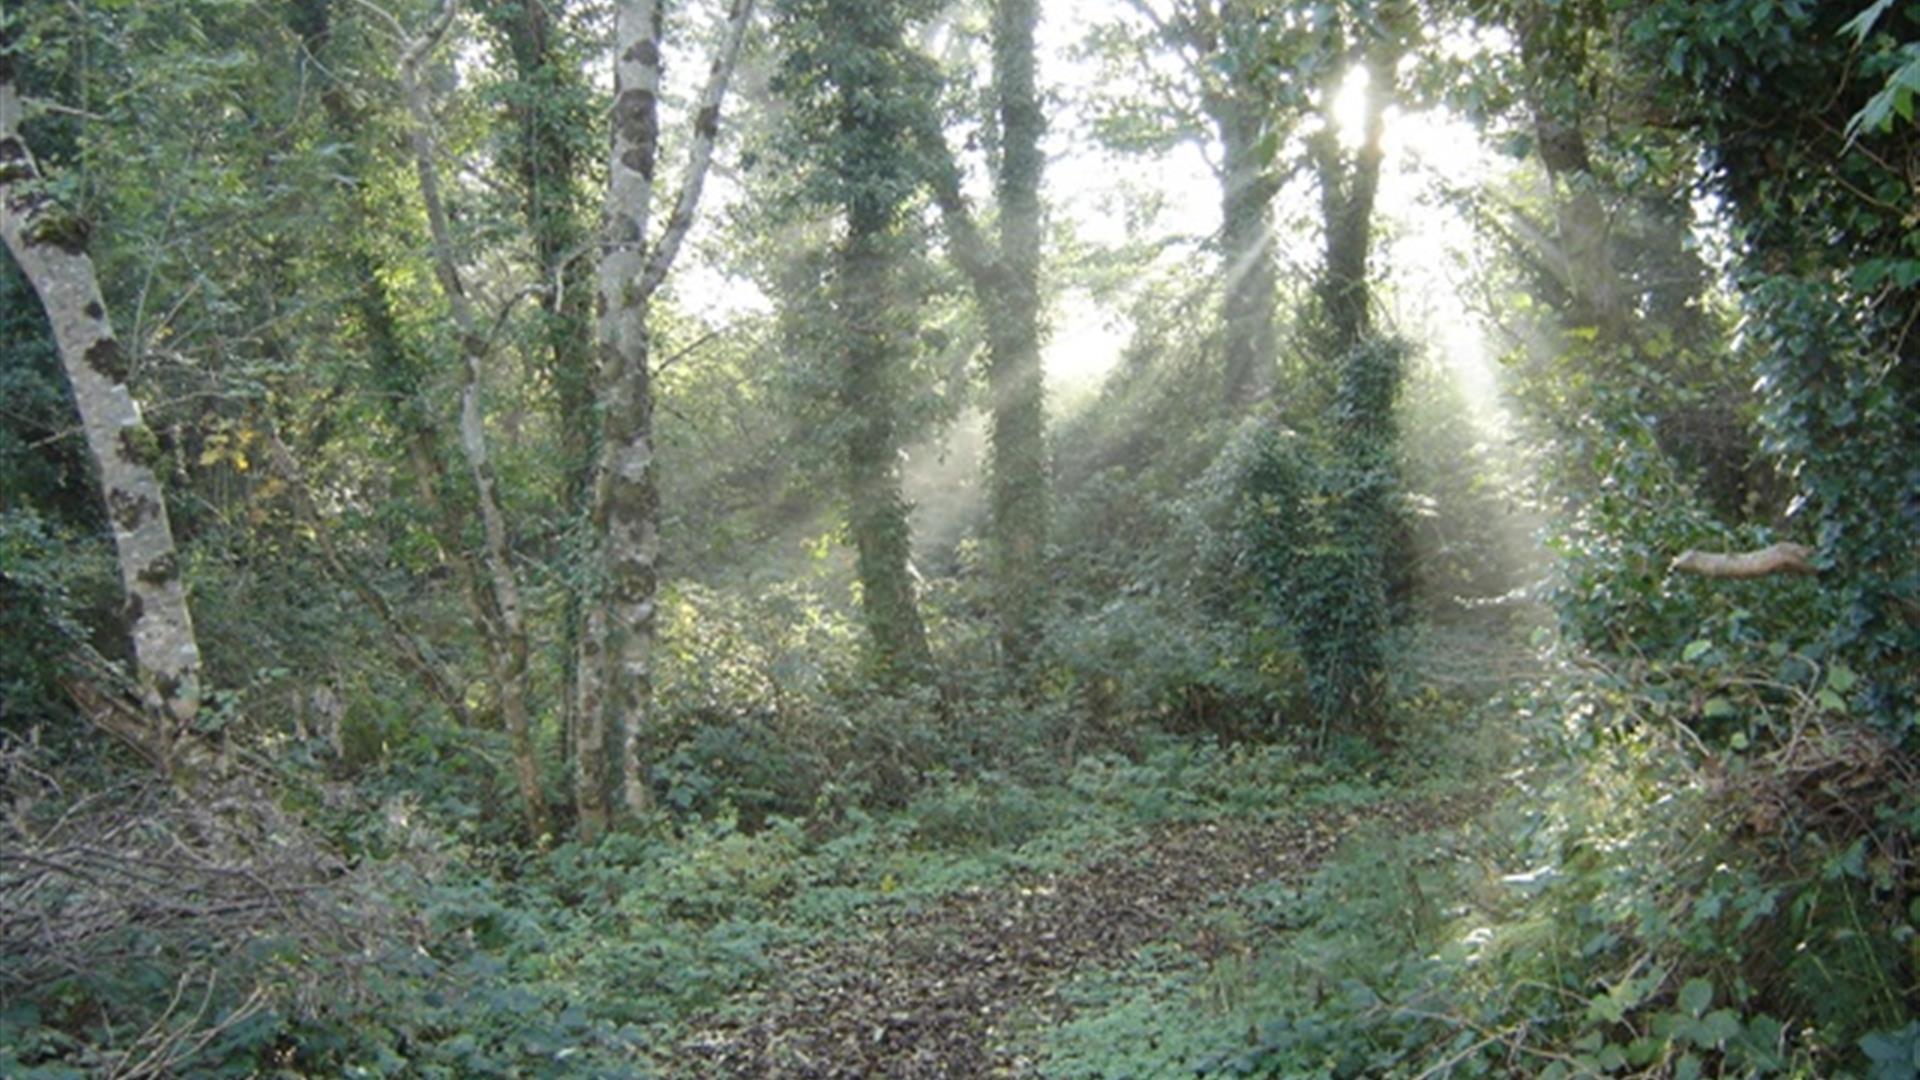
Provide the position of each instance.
(548, 108)
(50, 246)
(1346, 615)
(1016, 379)
(876, 509)
(1247, 189)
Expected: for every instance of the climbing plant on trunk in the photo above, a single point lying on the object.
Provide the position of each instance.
(860, 97)
(1006, 285)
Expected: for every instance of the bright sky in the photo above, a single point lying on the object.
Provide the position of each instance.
(1424, 246)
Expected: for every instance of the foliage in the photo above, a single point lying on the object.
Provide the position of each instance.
(1319, 532)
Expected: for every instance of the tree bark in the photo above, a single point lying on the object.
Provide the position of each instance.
(542, 161)
(1781, 558)
(507, 648)
(1348, 189)
(50, 247)
(399, 371)
(877, 512)
(616, 647)
(1015, 376)
(1251, 296)
(1006, 287)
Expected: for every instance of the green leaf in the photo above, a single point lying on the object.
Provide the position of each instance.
(1696, 650)
(1718, 1028)
(1696, 996)
(1841, 678)
(1862, 24)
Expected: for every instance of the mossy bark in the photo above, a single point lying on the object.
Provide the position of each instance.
(876, 509)
(1016, 379)
(55, 260)
(507, 649)
(615, 681)
(548, 105)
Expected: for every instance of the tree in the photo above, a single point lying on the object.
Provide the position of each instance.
(550, 118)
(399, 372)
(616, 644)
(506, 633)
(1006, 285)
(859, 98)
(49, 244)
(1248, 68)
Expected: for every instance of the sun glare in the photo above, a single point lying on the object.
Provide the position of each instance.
(1350, 108)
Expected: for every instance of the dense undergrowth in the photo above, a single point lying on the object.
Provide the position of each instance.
(450, 955)
(1620, 897)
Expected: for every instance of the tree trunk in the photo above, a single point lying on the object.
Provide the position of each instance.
(877, 512)
(507, 647)
(616, 645)
(1016, 379)
(1006, 287)
(549, 101)
(1348, 189)
(1251, 299)
(399, 372)
(1781, 558)
(1349, 665)
(50, 247)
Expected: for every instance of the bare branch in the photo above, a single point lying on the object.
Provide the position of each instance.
(1782, 558)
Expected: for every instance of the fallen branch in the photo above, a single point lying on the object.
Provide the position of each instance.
(1782, 558)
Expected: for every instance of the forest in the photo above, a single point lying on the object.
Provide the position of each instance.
(950, 538)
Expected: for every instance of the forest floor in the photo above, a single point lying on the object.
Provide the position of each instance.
(953, 985)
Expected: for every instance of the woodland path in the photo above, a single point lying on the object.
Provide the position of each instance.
(939, 990)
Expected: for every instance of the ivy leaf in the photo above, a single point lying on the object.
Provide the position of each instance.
(1895, 1054)
(1696, 996)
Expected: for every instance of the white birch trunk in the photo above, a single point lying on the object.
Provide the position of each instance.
(616, 650)
(50, 248)
(507, 646)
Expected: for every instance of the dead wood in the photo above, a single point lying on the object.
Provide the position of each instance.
(1781, 558)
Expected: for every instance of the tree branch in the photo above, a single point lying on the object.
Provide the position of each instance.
(970, 249)
(706, 130)
(1782, 558)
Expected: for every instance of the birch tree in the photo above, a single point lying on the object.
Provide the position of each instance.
(615, 682)
(507, 649)
(50, 246)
